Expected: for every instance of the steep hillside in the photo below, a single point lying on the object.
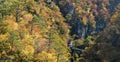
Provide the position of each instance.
(59, 30)
(30, 29)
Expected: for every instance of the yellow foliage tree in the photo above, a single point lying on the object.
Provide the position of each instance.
(45, 57)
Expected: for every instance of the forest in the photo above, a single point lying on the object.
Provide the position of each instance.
(59, 30)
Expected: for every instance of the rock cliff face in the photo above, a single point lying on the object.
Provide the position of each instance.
(87, 17)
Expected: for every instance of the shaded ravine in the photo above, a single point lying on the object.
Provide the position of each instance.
(78, 28)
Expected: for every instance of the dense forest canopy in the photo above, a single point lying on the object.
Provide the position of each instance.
(59, 31)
